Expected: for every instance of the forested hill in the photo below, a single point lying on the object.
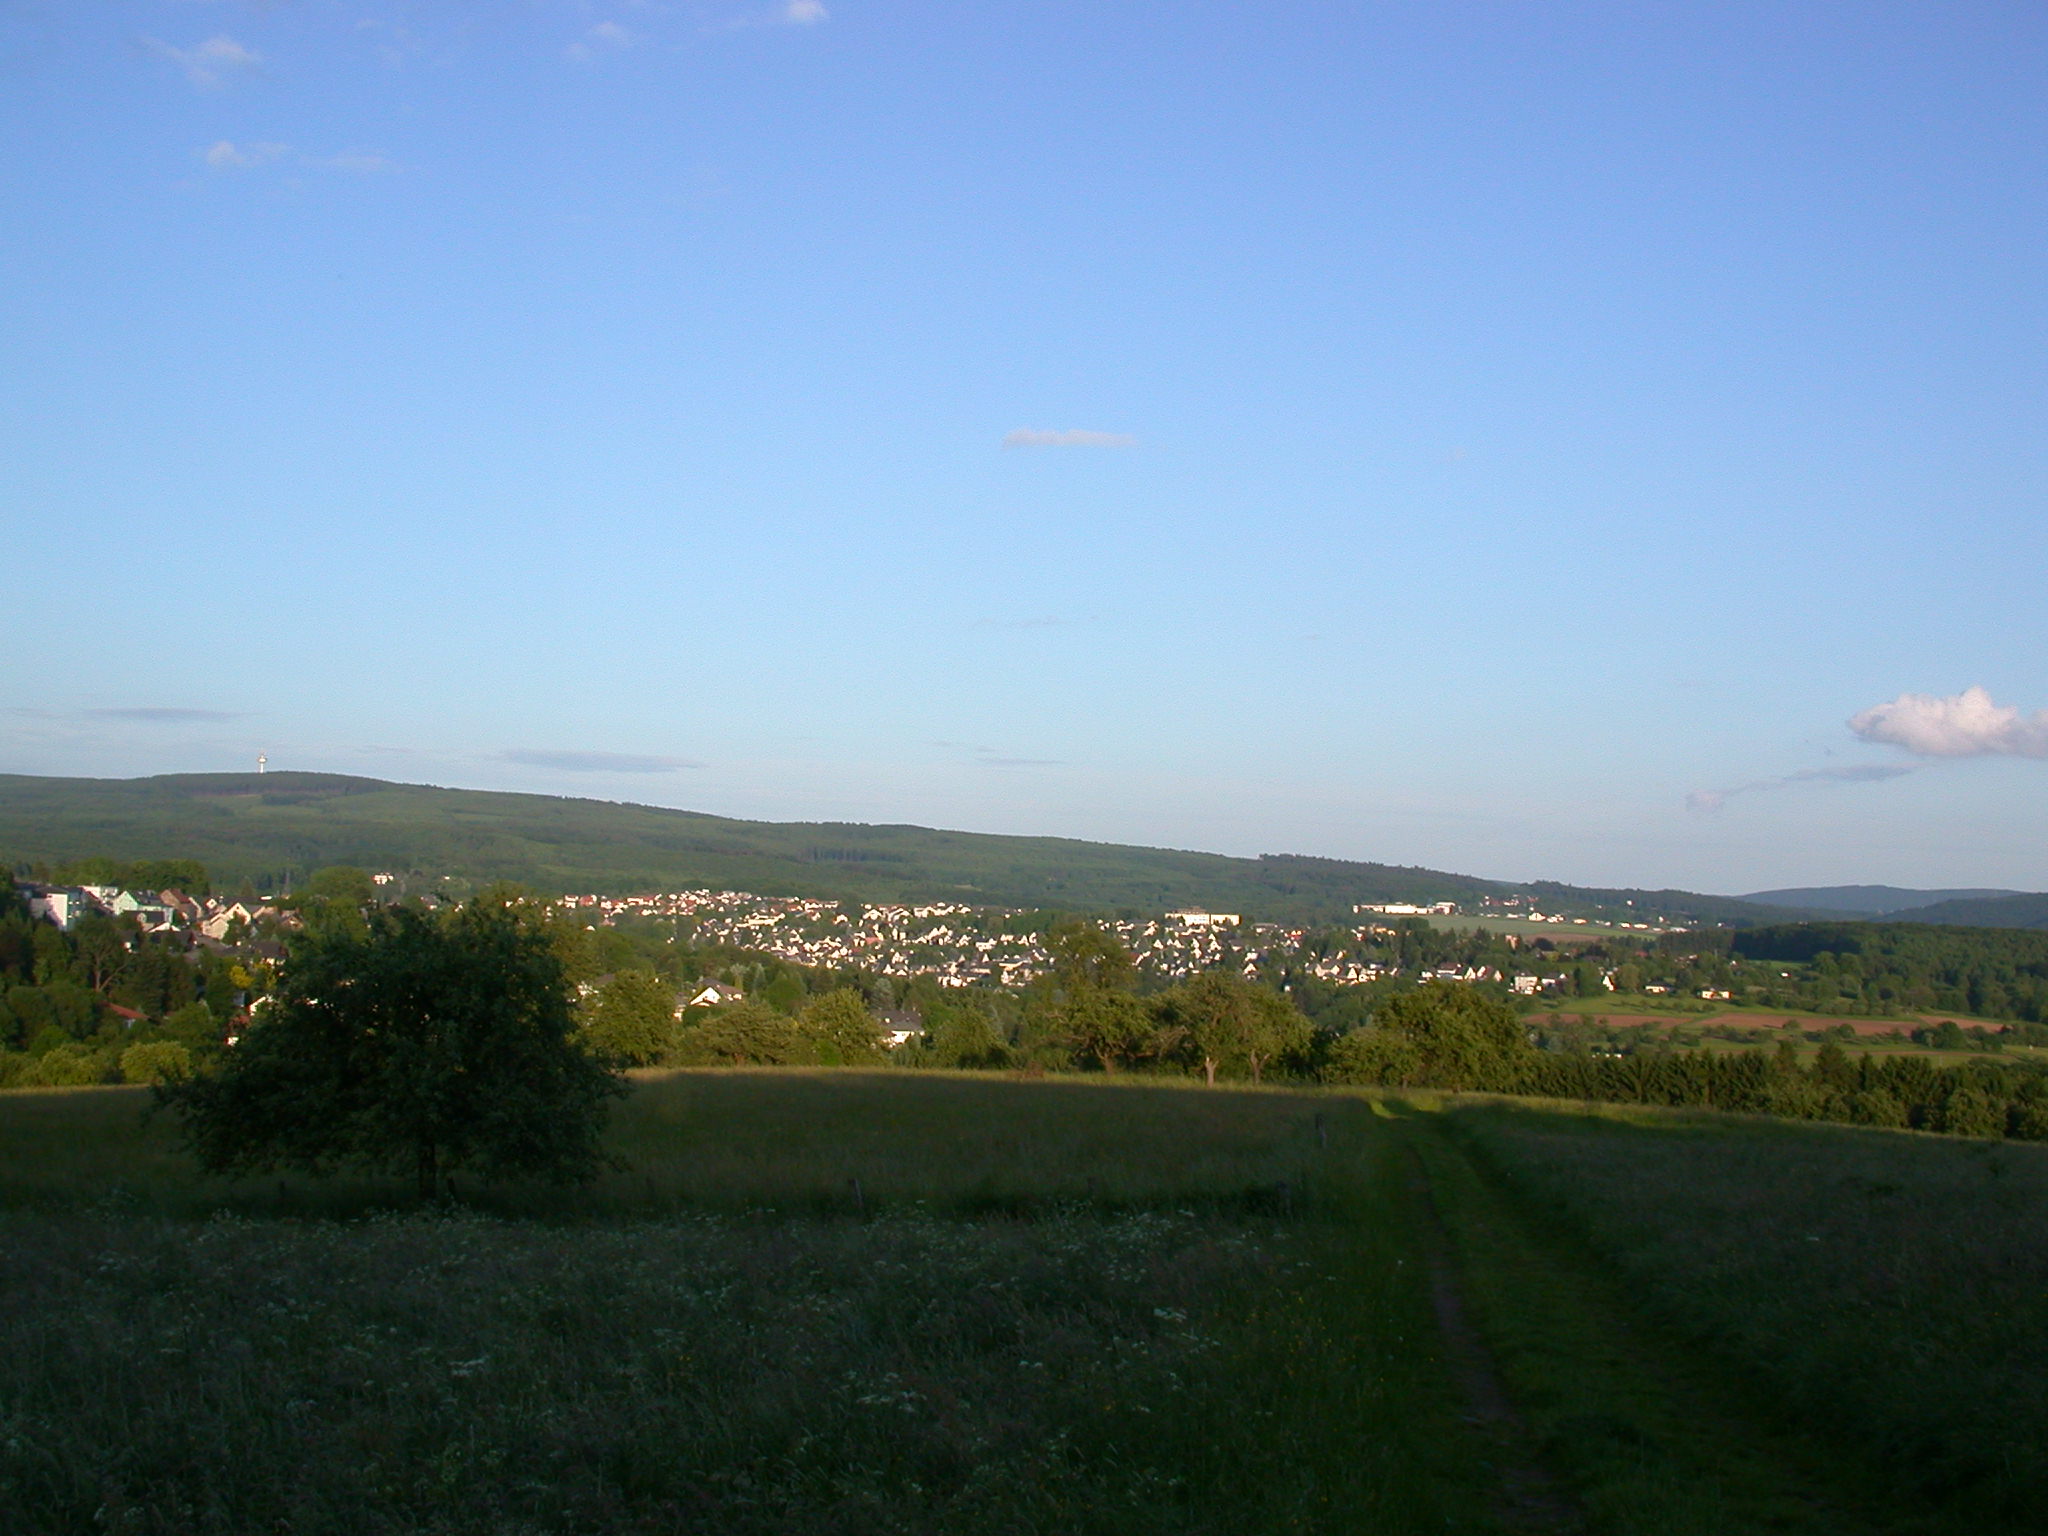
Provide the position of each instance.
(2011, 911)
(1871, 901)
(2000, 973)
(274, 828)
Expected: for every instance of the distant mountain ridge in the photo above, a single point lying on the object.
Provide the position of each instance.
(276, 827)
(1869, 900)
(2020, 910)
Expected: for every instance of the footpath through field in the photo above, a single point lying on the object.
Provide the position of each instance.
(1604, 1416)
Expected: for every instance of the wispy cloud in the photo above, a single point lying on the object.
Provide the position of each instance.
(226, 155)
(208, 65)
(1966, 724)
(1033, 437)
(785, 13)
(596, 762)
(355, 162)
(605, 37)
(1707, 801)
(1031, 621)
(990, 757)
(162, 715)
(395, 45)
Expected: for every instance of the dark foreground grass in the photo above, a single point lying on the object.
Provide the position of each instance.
(853, 1303)
(1876, 1301)
(820, 1142)
(724, 1340)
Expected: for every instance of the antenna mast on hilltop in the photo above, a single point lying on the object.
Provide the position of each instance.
(262, 762)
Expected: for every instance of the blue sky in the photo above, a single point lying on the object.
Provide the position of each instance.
(1517, 439)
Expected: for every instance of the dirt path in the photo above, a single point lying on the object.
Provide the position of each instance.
(1530, 1497)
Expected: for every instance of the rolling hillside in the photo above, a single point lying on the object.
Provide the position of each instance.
(2008, 911)
(274, 828)
(1870, 901)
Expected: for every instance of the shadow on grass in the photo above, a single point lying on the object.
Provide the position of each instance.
(843, 1144)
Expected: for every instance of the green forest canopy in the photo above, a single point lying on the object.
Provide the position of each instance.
(274, 828)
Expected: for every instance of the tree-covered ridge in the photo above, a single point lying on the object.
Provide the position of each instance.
(1875, 968)
(2016, 911)
(273, 829)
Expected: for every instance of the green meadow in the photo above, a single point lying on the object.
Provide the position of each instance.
(874, 1302)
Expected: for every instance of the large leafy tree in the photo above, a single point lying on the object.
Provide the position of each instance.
(1440, 1035)
(1095, 1012)
(632, 1018)
(841, 1029)
(1230, 1023)
(748, 1034)
(420, 1042)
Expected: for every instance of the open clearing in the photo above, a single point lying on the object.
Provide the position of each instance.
(1634, 1010)
(848, 1302)
(1570, 931)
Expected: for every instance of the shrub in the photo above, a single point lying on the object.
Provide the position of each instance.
(71, 1065)
(158, 1061)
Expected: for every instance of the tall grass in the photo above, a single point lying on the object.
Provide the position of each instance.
(1049, 1308)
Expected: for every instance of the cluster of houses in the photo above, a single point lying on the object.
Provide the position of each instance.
(956, 945)
(962, 946)
(152, 911)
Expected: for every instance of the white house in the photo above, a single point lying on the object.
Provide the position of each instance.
(714, 994)
(63, 905)
(1205, 919)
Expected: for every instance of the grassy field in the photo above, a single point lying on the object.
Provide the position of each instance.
(1623, 1009)
(847, 1302)
(1558, 933)
(834, 1303)
(1874, 1298)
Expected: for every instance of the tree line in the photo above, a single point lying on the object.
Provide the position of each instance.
(1458, 1038)
(1879, 968)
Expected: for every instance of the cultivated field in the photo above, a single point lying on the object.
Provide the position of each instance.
(1568, 932)
(846, 1302)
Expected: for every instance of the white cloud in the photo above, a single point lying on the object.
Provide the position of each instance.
(228, 156)
(1031, 437)
(1967, 724)
(207, 65)
(804, 13)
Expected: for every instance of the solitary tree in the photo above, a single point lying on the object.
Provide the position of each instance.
(421, 1042)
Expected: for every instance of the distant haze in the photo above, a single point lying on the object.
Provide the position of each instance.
(1871, 900)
